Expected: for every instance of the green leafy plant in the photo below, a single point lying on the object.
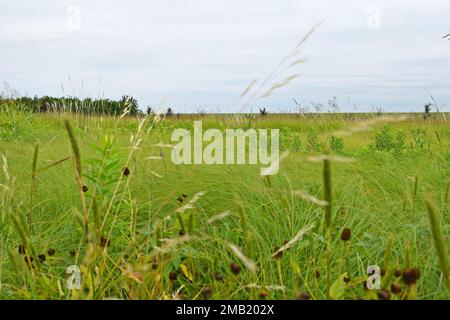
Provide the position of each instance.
(104, 169)
(419, 137)
(312, 138)
(289, 140)
(386, 140)
(337, 144)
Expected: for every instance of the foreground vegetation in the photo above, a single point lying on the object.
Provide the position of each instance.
(102, 193)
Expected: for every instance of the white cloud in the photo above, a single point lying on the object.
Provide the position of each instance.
(203, 52)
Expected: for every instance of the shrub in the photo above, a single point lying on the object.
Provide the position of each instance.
(386, 141)
(337, 144)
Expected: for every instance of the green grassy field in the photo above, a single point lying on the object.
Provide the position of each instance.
(139, 227)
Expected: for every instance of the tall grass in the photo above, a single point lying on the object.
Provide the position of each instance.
(135, 249)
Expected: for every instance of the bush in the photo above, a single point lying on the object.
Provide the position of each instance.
(337, 144)
(386, 141)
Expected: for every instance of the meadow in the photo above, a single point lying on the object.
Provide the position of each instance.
(101, 193)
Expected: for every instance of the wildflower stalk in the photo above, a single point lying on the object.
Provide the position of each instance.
(280, 277)
(327, 192)
(416, 187)
(244, 223)
(407, 246)
(447, 190)
(387, 260)
(439, 240)
(33, 186)
(328, 218)
(78, 174)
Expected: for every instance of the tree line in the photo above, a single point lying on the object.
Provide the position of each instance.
(126, 104)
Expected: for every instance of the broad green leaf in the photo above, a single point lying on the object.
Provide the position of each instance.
(337, 289)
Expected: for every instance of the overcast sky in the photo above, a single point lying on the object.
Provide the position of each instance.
(203, 53)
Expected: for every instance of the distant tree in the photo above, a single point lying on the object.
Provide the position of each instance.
(149, 110)
(169, 112)
(263, 112)
(128, 102)
(427, 110)
(73, 104)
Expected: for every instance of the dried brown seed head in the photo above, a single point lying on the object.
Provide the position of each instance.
(235, 268)
(303, 296)
(104, 242)
(395, 288)
(21, 249)
(173, 276)
(218, 276)
(28, 259)
(263, 294)
(383, 295)
(207, 292)
(410, 276)
(279, 255)
(346, 234)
